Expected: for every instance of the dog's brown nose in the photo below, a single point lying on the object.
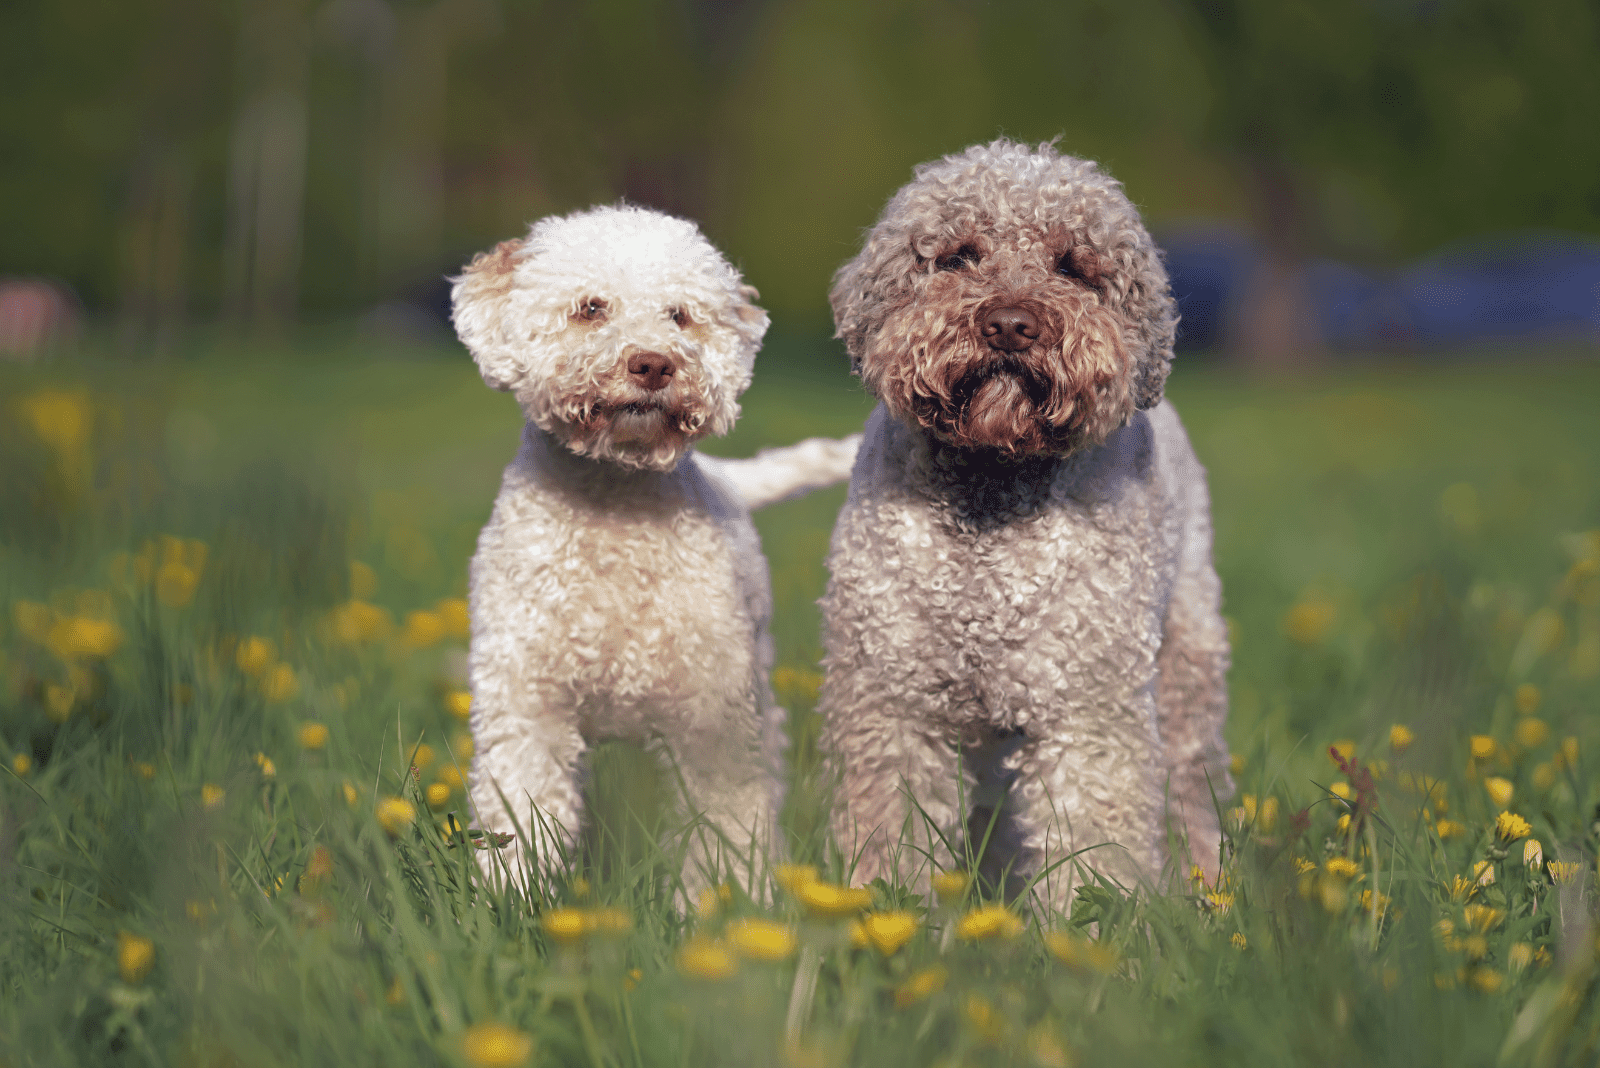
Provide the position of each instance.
(651, 370)
(1010, 329)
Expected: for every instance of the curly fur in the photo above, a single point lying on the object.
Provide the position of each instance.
(1025, 555)
(619, 590)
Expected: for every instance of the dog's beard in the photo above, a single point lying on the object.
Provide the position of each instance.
(611, 421)
(1068, 389)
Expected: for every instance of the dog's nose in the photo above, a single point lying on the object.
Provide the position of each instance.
(1010, 329)
(651, 370)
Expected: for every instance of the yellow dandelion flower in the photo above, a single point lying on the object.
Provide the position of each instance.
(357, 621)
(1342, 824)
(1519, 956)
(350, 794)
(363, 580)
(1334, 894)
(58, 702)
(1564, 871)
(1533, 854)
(1341, 790)
(1508, 827)
(81, 637)
(950, 885)
(1236, 765)
(450, 775)
(1527, 699)
(800, 683)
(610, 921)
(1308, 622)
(22, 764)
(1531, 732)
(452, 613)
(793, 876)
(1218, 901)
(144, 769)
(826, 899)
(495, 1045)
(762, 939)
(1047, 1049)
(438, 795)
(1486, 980)
(313, 735)
(1268, 819)
(1343, 867)
(422, 629)
(280, 683)
(1500, 790)
(422, 756)
(709, 904)
(1447, 829)
(395, 814)
(631, 981)
(211, 795)
(1302, 866)
(1483, 747)
(1569, 751)
(1483, 873)
(1240, 942)
(888, 931)
(1483, 918)
(254, 655)
(459, 704)
(268, 768)
(1400, 738)
(135, 956)
(566, 925)
(706, 958)
(461, 746)
(175, 584)
(1461, 887)
(1544, 776)
(921, 985)
(1080, 953)
(983, 1017)
(989, 921)
(1367, 902)
(1345, 748)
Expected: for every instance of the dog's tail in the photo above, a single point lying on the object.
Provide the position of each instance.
(790, 471)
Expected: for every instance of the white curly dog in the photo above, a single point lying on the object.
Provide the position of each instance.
(619, 590)
(1024, 560)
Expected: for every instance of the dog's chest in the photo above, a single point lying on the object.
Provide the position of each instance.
(646, 613)
(1001, 620)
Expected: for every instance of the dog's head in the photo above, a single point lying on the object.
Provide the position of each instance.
(1009, 298)
(621, 331)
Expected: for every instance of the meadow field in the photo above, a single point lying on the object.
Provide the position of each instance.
(232, 738)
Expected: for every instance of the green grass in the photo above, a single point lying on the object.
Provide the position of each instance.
(1398, 545)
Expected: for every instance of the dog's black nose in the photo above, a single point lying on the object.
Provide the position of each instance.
(651, 370)
(1010, 329)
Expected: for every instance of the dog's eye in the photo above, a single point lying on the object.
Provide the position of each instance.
(592, 310)
(965, 256)
(680, 317)
(1079, 264)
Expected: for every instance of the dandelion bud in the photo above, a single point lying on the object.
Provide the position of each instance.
(1533, 854)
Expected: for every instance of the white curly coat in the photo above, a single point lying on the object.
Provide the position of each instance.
(619, 590)
(1066, 599)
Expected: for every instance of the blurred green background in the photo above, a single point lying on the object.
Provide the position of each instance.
(270, 162)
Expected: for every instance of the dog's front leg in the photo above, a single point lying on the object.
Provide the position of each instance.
(525, 781)
(1090, 799)
(729, 799)
(898, 804)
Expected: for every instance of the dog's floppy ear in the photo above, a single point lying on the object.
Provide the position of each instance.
(478, 306)
(1154, 315)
